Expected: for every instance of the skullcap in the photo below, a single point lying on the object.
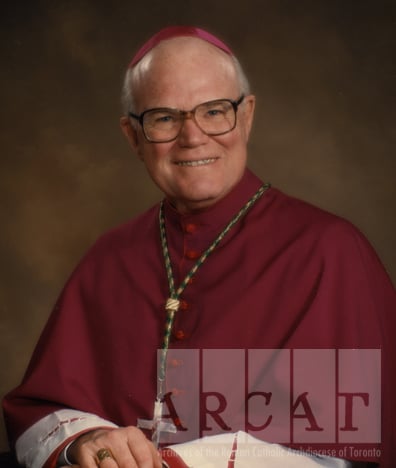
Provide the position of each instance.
(178, 31)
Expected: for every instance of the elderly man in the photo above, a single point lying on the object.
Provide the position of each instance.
(224, 264)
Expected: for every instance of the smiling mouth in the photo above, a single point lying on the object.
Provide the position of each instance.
(199, 162)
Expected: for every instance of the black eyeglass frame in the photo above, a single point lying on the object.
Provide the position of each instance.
(183, 114)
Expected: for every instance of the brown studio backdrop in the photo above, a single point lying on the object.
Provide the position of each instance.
(323, 72)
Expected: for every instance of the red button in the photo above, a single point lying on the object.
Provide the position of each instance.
(190, 228)
(175, 363)
(192, 254)
(180, 335)
(184, 305)
(177, 422)
(177, 392)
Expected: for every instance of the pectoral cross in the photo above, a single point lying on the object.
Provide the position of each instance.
(157, 425)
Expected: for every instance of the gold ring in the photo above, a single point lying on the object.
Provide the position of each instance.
(103, 454)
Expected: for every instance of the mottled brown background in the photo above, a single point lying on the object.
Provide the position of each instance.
(323, 70)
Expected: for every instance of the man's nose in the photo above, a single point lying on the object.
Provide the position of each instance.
(190, 133)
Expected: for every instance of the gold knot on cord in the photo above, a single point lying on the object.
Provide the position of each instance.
(172, 305)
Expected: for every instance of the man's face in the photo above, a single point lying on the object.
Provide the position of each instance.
(195, 170)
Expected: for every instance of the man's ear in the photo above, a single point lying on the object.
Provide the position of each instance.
(131, 135)
(249, 105)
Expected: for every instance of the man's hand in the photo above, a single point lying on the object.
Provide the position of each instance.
(128, 446)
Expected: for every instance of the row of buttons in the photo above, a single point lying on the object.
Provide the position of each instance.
(191, 254)
(180, 334)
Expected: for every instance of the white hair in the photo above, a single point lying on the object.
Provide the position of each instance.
(128, 96)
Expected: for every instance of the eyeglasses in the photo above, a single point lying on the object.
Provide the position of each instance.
(161, 125)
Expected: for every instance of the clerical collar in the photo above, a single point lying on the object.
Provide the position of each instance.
(217, 215)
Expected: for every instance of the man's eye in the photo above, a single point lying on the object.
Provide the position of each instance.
(164, 118)
(216, 112)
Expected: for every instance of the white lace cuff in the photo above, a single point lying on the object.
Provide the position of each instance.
(38, 442)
